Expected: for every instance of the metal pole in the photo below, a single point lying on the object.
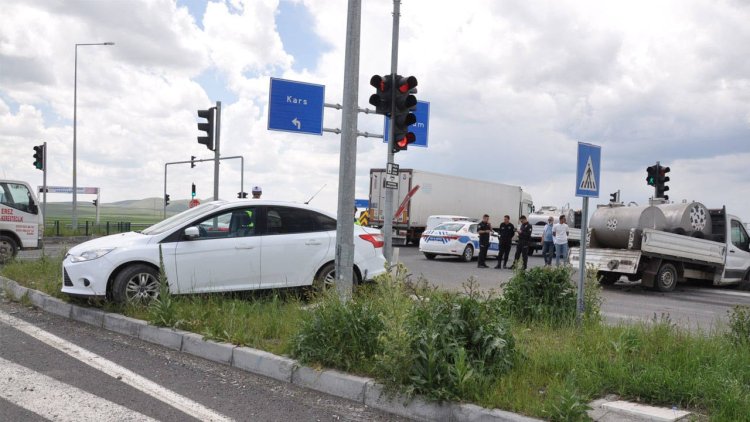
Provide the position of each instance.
(348, 155)
(74, 221)
(388, 207)
(164, 198)
(217, 153)
(582, 262)
(98, 203)
(242, 174)
(44, 184)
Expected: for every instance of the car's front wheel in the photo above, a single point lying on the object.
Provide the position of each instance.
(136, 283)
(429, 256)
(468, 254)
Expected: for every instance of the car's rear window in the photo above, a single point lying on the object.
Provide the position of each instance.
(449, 227)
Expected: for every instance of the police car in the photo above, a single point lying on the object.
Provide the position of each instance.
(458, 238)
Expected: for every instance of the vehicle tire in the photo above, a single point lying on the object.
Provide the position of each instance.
(429, 256)
(138, 283)
(468, 254)
(608, 279)
(8, 249)
(326, 278)
(666, 277)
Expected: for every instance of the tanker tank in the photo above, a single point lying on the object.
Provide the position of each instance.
(611, 226)
(689, 218)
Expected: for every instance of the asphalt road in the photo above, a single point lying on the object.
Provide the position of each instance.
(695, 306)
(51, 375)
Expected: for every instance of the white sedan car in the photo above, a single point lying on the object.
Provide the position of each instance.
(458, 238)
(219, 246)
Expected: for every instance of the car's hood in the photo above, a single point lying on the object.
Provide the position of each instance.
(112, 241)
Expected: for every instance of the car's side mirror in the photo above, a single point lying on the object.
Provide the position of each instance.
(33, 209)
(192, 232)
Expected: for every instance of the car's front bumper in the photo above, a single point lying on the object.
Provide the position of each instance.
(87, 278)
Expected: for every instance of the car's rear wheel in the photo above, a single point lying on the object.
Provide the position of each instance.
(468, 254)
(429, 256)
(326, 278)
(8, 249)
(136, 283)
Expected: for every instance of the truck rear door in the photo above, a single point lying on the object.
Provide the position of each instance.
(738, 252)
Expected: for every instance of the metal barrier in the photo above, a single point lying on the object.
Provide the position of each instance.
(90, 228)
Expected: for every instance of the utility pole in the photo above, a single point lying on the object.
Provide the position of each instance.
(348, 155)
(388, 207)
(217, 154)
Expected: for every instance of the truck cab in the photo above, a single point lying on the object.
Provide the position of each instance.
(21, 222)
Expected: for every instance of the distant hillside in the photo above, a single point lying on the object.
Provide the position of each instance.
(147, 210)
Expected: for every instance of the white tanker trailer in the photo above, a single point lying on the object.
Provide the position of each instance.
(664, 244)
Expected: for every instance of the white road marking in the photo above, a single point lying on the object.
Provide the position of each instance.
(55, 400)
(114, 370)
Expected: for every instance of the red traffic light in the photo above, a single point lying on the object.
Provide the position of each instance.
(406, 84)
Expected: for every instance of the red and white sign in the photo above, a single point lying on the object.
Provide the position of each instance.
(194, 203)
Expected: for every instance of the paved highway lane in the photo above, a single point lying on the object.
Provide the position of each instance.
(690, 305)
(56, 369)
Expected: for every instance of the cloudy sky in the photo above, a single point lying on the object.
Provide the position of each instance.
(513, 86)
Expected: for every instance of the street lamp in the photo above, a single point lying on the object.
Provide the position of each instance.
(75, 107)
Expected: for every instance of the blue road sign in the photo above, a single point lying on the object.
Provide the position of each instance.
(362, 203)
(420, 129)
(296, 107)
(588, 170)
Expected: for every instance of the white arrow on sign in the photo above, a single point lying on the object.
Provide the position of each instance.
(297, 123)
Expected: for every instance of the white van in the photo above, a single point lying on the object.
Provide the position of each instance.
(436, 220)
(21, 222)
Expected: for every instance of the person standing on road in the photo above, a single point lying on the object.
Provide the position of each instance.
(524, 241)
(506, 232)
(484, 229)
(560, 232)
(548, 243)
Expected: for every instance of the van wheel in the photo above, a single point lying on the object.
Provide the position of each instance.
(468, 254)
(608, 279)
(429, 256)
(8, 249)
(137, 283)
(666, 278)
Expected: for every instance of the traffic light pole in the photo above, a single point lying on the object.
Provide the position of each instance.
(388, 207)
(217, 154)
(348, 156)
(44, 183)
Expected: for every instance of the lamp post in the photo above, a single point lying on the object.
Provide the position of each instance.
(74, 223)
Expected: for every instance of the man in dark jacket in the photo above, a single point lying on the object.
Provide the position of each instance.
(506, 232)
(524, 241)
(484, 229)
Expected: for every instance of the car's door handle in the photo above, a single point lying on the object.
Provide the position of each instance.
(244, 246)
(312, 243)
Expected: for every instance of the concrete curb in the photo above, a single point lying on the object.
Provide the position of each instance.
(335, 383)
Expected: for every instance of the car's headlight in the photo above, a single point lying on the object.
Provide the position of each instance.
(89, 255)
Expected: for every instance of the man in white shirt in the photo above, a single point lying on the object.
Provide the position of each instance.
(560, 234)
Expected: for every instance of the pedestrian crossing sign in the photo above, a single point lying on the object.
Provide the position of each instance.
(588, 170)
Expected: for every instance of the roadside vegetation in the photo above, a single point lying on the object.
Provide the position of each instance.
(521, 352)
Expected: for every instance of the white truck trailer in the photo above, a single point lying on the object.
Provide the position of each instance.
(21, 222)
(436, 194)
(664, 244)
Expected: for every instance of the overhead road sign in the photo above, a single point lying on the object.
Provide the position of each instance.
(420, 129)
(362, 203)
(296, 107)
(588, 170)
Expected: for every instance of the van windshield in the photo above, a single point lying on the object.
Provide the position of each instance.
(179, 219)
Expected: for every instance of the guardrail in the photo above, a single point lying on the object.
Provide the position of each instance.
(90, 228)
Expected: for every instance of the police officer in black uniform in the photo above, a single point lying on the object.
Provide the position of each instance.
(506, 232)
(484, 229)
(524, 241)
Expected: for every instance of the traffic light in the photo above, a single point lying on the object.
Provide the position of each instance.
(193, 193)
(192, 161)
(242, 195)
(661, 182)
(166, 199)
(381, 99)
(208, 127)
(39, 157)
(94, 202)
(403, 116)
(652, 172)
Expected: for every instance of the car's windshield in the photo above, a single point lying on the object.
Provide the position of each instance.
(179, 219)
(450, 227)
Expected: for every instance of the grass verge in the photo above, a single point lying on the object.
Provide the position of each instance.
(487, 350)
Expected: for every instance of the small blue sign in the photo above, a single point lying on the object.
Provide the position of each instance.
(362, 203)
(296, 107)
(420, 129)
(588, 170)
